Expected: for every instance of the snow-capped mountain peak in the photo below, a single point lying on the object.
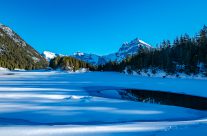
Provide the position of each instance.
(136, 43)
(126, 50)
(49, 55)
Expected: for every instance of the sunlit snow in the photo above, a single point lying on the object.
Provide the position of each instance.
(55, 103)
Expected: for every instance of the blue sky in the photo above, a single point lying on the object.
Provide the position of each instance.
(100, 26)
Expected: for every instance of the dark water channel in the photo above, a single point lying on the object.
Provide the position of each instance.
(149, 96)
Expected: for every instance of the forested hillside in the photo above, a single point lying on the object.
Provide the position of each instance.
(15, 53)
(185, 55)
(69, 63)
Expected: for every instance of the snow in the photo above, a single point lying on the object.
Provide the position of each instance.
(17, 69)
(144, 43)
(142, 129)
(7, 30)
(3, 69)
(49, 55)
(162, 74)
(1, 34)
(79, 53)
(89, 58)
(35, 59)
(81, 70)
(55, 103)
(2, 48)
(12, 35)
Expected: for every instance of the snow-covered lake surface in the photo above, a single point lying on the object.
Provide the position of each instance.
(60, 104)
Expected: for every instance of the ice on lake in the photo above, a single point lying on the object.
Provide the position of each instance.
(58, 103)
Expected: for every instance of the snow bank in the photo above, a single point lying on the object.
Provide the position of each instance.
(3, 69)
(163, 74)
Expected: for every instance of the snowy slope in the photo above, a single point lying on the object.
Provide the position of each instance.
(59, 104)
(3, 69)
(12, 35)
(89, 58)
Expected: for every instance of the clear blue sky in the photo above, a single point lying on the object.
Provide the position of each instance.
(100, 26)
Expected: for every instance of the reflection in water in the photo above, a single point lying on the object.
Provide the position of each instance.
(147, 96)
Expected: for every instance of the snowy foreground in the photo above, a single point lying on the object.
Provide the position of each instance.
(60, 104)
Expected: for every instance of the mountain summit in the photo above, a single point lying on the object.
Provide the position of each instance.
(127, 50)
(15, 53)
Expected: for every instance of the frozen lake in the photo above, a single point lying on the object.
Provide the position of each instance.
(57, 104)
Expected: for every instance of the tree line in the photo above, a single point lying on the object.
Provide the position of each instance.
(185, 55)
(69, 63)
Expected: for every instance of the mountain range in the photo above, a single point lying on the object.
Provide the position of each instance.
(126, 50)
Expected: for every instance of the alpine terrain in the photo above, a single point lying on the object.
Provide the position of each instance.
(126, 50)
(15, 53)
